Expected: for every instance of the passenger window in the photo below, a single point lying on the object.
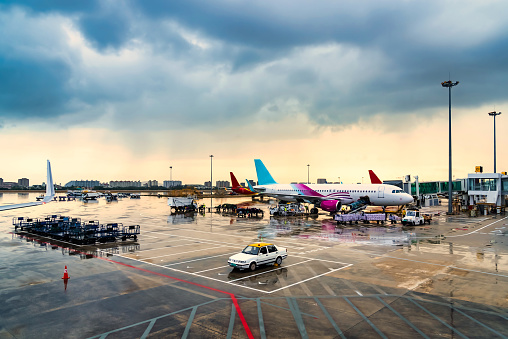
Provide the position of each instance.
(272, 249)
(263, 250)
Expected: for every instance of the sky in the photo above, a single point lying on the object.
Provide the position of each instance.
(122, 90)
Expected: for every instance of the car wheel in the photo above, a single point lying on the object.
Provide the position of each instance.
(252, 266)
(278, 261)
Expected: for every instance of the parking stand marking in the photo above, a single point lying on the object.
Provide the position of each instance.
(275, 269)
(337, 269)
(295, 310)
(189, 322)
(168, 255)
(365, 318)
(231, 323)
(184, 262)
(402, 317)
(330, 319)
(148, 329)
(478, 322)
(262, 330)
(211, 269)
(438, 319)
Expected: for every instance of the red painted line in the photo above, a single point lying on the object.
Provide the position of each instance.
(233, 298)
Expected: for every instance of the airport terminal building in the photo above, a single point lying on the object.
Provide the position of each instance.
(490, 188)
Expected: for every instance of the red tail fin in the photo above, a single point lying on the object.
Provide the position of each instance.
(373, 178)
(234, 182)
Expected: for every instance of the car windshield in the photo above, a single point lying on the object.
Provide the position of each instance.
(410, 214)
(251, 250)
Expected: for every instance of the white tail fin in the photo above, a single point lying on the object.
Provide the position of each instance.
(50, 188)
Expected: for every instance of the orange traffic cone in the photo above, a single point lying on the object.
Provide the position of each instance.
(66, 275)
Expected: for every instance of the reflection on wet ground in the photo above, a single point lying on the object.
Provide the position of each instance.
(447, 279)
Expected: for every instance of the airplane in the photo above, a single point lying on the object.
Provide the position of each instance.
(50, 193)
(239, 189)
(329, 197)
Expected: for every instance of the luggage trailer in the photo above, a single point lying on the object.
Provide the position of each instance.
(73, 230)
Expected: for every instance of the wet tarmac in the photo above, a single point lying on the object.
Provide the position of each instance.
(448, 279)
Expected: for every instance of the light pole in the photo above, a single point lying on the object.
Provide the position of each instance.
(211, 180)
(449, 84)
(493, 114)
(308, 171)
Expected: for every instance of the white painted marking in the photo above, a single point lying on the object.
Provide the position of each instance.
(232, 281)
(319, 275)
(166, 247)
(359, 293)
(275, 269)
(214, 256)
(226, 235)
(211, 269)
(210, 278)
(458, 268)
(334, 262)
(168, 255)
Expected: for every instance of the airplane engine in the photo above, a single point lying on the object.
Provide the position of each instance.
(331, 205)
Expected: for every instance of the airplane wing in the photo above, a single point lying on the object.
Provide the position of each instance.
(50, 193)
(308, 195)
(26, 204)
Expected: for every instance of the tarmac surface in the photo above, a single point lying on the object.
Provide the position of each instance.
(446, 280)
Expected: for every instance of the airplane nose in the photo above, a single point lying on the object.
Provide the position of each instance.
(408, 199)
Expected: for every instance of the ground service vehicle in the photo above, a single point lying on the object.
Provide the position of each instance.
(258, 254)
(413, 217)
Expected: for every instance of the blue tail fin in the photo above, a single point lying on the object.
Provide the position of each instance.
(250, 186)
(264, 177)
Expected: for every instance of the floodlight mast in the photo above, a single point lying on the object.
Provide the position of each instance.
(449, 84)
(211, 185)
(493, 114)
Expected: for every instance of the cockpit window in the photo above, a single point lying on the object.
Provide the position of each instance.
(251, 250)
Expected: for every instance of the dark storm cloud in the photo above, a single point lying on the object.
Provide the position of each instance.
(106, 30)
(207, 62)
(63, 6)
(30, 89)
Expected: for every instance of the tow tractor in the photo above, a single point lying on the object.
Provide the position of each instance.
(413, 217)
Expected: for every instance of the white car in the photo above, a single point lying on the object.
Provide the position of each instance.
(258, 254)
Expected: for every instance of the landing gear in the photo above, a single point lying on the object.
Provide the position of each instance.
(314, 210)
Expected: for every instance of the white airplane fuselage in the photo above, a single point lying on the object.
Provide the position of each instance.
(379, 194)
